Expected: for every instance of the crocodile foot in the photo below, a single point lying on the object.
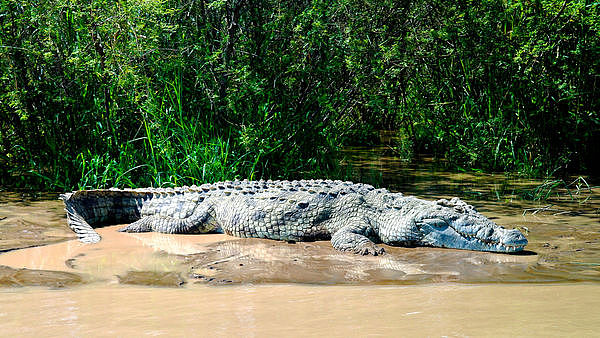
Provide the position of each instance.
(371, 249)
(351, 239)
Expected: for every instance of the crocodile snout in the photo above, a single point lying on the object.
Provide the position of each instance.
(515, 238)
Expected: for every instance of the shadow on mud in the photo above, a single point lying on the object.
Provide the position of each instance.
(524, 253)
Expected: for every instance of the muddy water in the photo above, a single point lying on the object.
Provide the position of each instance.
(156, 284)
(302, 310)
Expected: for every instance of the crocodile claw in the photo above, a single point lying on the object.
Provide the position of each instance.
(370, 250)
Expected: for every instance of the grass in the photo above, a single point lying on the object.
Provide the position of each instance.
(175, 149)
(578, 190)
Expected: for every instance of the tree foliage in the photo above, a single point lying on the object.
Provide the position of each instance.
(164, 92)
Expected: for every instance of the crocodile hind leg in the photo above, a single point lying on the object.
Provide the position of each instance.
(144, 224)
(199, 222)
(352, 239)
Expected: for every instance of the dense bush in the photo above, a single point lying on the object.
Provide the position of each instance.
(144, 92)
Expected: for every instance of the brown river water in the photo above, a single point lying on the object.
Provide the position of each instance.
(217, 285)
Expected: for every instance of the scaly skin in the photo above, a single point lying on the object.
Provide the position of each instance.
(353, 216)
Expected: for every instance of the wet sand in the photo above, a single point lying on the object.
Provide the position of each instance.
(562, 254)
(31, 220)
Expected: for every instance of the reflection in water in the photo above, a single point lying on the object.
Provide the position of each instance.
(426, 179)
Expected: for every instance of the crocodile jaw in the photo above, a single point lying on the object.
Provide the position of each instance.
(481, 237)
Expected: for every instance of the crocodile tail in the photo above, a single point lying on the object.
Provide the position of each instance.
(88, 209)
(77, 223)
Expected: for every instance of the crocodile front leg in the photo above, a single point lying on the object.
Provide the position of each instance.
(352, 239)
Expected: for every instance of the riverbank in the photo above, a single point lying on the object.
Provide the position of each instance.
(160, 284)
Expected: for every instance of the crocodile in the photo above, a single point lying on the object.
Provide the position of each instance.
(354, 216)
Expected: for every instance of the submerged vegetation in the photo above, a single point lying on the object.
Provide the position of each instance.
(164, 92)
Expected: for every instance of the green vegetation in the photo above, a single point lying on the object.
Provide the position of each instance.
(163, 92)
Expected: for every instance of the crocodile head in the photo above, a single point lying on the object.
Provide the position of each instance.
(454, 224)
